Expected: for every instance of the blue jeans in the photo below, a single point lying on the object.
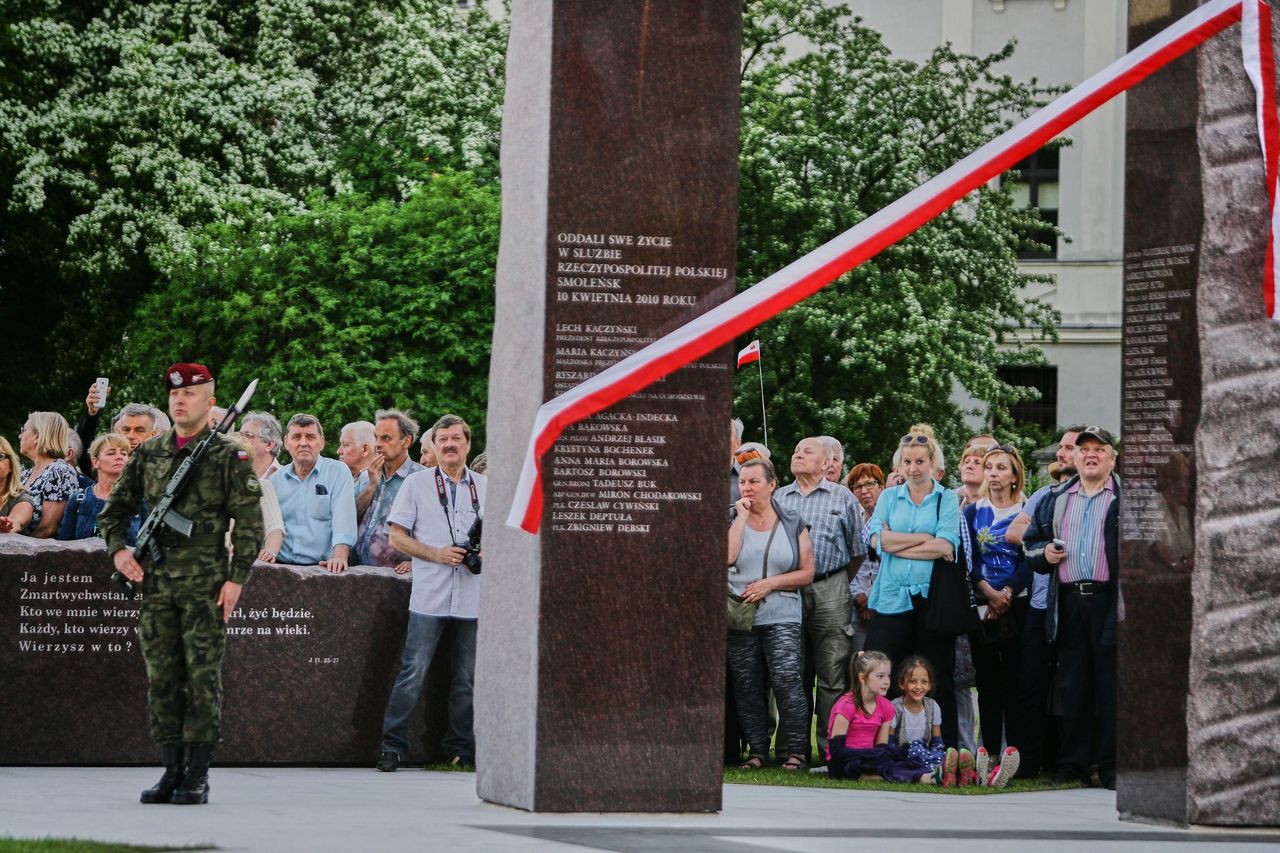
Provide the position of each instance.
(420, 643)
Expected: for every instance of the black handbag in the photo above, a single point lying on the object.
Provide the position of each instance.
(953, 608)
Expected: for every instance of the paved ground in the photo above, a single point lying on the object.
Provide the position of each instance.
(287, 809)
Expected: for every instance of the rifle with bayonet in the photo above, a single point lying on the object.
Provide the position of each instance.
(163, 516)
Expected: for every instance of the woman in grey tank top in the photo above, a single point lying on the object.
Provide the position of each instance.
(770, 559)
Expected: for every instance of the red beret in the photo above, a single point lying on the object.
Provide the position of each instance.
(184, 375)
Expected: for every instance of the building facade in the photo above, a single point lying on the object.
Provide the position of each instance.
(1058, 42)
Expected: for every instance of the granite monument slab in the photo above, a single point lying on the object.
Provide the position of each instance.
(602, 640)
(1199, 656)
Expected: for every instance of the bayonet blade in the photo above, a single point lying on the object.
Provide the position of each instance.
(246, 396)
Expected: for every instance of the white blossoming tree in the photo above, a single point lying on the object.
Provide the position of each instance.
(830, 136)
(125, 128)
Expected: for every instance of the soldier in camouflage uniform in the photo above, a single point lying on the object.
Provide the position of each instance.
(187, 597)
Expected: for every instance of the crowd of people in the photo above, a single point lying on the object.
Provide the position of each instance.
(829, 577)
(366, 507)
(830, 613)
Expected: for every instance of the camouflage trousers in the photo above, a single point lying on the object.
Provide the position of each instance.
(182, 637)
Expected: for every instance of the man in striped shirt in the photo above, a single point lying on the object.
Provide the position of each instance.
(1074, 538)
(835, 521)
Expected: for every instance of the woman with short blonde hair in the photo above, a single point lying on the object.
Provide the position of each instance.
(50, 480)
(108, 454)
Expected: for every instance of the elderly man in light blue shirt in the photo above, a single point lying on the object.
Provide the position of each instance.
(316, 499)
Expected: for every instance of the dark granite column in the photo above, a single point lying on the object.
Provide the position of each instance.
(1201, 435)
(601, 670)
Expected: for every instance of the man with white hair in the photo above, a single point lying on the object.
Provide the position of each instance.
(835, 526)
(74, 448)
(263, 432)
(356, 449)
(837, 458)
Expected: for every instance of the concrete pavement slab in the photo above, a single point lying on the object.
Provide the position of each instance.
(342, 809)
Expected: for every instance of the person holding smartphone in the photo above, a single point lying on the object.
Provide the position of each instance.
(137, 422)
(1074, 539)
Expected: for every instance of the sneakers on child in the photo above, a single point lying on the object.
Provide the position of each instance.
(965, 773)
(949, 765)
(982, 765)
(1008, 768)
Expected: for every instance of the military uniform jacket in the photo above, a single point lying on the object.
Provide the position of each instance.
(224, 487)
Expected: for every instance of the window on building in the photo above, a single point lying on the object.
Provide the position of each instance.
(1037, 186)
(1042, 412)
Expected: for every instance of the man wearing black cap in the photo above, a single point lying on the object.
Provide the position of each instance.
(1074, 538)
(188, 597)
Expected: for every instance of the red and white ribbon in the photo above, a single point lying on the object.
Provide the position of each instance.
(1259, 64)
(806, 276)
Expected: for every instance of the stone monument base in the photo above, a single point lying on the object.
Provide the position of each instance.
(310, 661)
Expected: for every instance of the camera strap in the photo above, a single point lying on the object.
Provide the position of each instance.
(444, 499)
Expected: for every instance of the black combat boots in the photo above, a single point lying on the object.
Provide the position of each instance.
(162, 791)
(195, 785)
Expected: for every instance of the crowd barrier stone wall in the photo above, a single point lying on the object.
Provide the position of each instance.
(311, 657)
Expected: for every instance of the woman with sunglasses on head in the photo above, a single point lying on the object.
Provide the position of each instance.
(914, 524)
(1001, 579)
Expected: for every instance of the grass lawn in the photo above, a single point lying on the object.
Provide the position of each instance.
(774, 775)
(75, 845)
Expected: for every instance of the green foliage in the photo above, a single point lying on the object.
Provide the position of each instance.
(349, 306)
(1028, 438)
(830, 137)
(126, 128)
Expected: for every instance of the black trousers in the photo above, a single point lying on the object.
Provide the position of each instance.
(901, 635)
(733, 740)
(995, 666)
(1035, 674)
(1086, 684)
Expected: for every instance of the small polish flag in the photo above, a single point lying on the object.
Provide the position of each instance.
(750, 353)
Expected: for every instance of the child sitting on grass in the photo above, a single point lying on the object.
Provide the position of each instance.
(858, 732)
(917, 725)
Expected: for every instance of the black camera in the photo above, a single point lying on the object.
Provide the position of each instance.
(471, 559)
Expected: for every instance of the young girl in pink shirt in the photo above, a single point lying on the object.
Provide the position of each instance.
(858, 732)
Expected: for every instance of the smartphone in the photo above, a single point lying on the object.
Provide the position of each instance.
(1060, 543)
(102, 384)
